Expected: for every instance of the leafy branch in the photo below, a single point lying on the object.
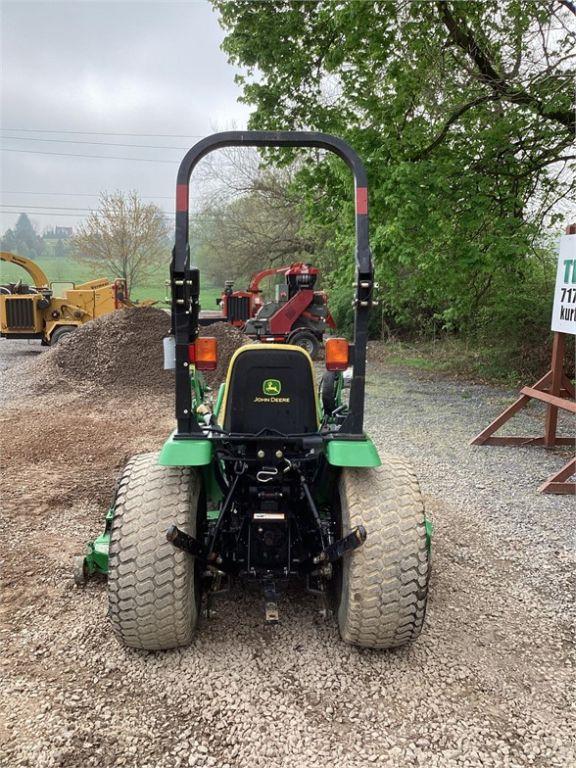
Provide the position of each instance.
(463, 37)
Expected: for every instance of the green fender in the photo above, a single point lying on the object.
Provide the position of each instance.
(352, 453)
(185, 453)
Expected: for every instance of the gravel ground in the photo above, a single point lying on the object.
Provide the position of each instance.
(490, 682)
(14, 352)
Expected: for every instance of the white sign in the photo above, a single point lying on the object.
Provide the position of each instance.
(564, 312)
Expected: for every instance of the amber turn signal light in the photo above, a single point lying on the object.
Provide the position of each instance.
(337, 354)
(204, 353)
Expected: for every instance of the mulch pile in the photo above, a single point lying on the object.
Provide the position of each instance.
(118, 352)
(229, 340)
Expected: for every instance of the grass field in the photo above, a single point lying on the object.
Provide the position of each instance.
(65, 270)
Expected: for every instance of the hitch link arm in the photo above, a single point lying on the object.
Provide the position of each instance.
(182, 540)
(333, 552)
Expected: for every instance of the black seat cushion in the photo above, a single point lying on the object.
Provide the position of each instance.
(271, 388)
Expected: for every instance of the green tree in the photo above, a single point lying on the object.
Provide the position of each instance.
(60, 249)
(463, 113)
(23, 239)
(9, 242)
(25, 233)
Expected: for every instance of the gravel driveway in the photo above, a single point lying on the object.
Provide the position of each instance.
(490, 682)
(13, 352)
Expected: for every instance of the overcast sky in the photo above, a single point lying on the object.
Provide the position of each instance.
(108, 68)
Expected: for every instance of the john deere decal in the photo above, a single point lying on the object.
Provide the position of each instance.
(271, 387)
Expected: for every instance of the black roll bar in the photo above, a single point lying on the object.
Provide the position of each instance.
(185, 280)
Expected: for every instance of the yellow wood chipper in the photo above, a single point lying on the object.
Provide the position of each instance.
(31, 311)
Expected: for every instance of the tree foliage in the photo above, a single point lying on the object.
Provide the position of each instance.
(23, 239)
(464, 115)
(125, 237)
(61, 249)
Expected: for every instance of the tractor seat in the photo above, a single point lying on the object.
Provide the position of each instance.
(270, 386)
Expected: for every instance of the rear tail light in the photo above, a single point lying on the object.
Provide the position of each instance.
(204, 353)
(337, 354)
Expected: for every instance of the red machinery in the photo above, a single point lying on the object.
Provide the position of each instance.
(298, 315)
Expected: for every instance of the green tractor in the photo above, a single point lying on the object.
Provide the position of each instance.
(276, 482)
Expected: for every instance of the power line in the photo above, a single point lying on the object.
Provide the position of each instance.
(103, 133)
(96, 143)
(103, 157)
(80, 194)
(58, 207)
(93, 157)
(45, 207)
(37, 210)
(41, 213)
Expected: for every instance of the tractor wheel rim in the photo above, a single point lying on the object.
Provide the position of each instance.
(306, 344)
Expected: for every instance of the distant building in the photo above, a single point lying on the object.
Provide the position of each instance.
(63, 232)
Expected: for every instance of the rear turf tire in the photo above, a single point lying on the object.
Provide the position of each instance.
(328, 386)
(153, 595)
(383, 584)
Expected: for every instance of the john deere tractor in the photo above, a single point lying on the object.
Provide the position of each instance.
(275, 482)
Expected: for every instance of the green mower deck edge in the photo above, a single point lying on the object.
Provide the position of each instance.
(95, 559)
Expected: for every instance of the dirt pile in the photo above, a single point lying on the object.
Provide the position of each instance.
(117, 353)
(78, 411)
